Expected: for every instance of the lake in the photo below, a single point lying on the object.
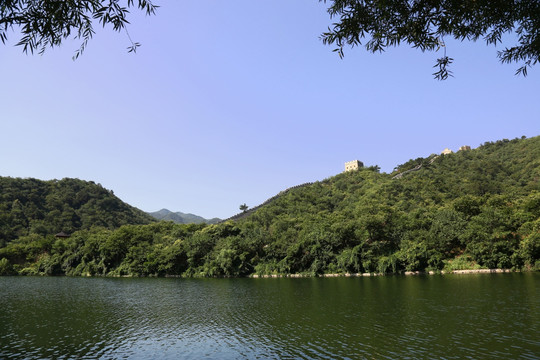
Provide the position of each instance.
(493, 316)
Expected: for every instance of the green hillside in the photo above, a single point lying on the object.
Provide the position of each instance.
(472, 209)
(31, 206)
(481, 203)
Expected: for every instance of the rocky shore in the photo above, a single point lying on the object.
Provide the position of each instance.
(473, 271)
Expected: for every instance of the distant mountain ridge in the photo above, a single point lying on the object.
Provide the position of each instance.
(181, 218)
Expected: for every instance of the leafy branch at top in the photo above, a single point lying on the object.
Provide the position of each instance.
(423, 24)
(46, 23)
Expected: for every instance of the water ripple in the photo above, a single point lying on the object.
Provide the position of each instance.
(484, 317)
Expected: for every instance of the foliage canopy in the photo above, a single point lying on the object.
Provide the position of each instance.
(424, 24)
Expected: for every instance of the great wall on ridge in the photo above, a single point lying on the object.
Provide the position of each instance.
(349, 166)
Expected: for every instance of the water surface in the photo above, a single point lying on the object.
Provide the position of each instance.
(489, 316)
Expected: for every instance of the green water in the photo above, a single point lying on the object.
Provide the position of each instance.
(493, 316)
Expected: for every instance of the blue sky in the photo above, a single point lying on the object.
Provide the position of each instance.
(231, 102)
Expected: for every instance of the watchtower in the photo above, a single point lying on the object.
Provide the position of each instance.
(446, 151)
(353, 165)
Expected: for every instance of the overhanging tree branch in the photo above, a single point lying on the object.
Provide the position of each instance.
(378, 24)
(46, 23)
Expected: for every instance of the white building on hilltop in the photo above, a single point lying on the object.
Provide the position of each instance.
(446, 151)
(353, 165)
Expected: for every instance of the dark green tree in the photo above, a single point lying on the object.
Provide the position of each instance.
(244, 207)
(46, 23)
(424, 24)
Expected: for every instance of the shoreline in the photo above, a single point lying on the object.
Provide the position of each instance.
(304, 275)
(406, 273)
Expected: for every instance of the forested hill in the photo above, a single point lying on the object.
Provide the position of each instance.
(502, 167)
(48, 207)
(482, 205)
(505, 167)
(472, 209)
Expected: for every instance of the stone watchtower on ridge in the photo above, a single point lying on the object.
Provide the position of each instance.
(446, 151)
(353, 165)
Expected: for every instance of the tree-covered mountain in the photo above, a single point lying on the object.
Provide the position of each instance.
(31, 206)
(476, 208)
(181, 218)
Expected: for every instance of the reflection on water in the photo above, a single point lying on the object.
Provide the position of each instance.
(492, 316)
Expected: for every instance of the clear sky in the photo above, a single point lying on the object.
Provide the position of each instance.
(231, 102)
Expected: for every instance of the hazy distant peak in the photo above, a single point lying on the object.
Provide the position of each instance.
(181, 218)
